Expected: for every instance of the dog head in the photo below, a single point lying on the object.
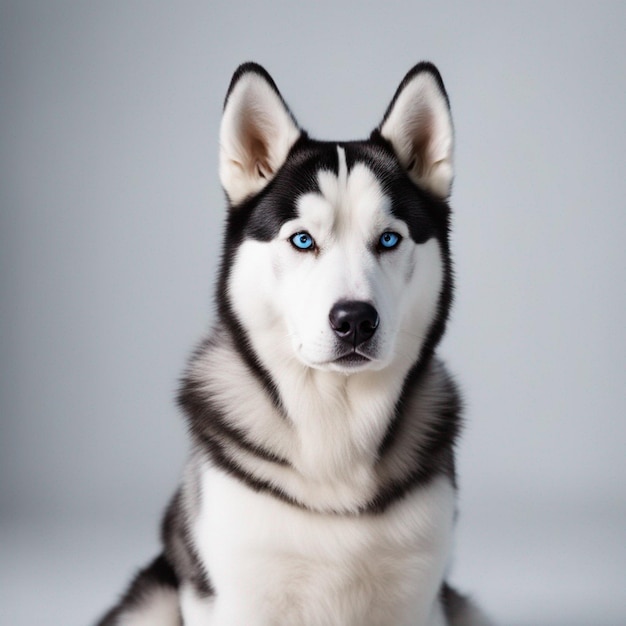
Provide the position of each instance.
(336, 253)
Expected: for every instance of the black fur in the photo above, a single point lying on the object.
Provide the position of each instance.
(209, 426)
(159, 574)
(251, 67)
(456, 606)
(436, 456)
(261, 217)
(422, 66)
(179, 547)
(210, 432)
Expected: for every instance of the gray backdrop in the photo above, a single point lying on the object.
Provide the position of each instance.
(111, 212)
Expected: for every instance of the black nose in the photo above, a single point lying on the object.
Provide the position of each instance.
(354, 322)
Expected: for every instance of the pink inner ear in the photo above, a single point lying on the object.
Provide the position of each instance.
(421, 131)
(256, 134)
(256, 149)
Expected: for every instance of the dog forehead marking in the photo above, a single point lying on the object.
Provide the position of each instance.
(347, 201)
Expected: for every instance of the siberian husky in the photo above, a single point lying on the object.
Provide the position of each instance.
(320, 488)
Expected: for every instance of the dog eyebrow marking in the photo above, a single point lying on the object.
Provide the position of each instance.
(322, 208)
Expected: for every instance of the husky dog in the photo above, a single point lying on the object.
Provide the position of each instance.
(320, 488)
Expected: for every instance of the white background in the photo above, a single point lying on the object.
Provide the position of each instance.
(111, 213)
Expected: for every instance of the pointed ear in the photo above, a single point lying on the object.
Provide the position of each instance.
(419, 127)
(256, 134)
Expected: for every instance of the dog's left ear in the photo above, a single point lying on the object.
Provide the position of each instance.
(418, 125)
(256, 134)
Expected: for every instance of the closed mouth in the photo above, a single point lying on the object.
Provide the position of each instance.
(352, 359)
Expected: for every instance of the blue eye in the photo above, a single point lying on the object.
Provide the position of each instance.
(389, 240)
(303, 241)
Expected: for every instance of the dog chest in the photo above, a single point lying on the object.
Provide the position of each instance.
(267, 558)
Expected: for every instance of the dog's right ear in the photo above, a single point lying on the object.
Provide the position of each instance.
(256, 134)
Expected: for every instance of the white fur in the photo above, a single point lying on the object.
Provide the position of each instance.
(272, 563)
(419, 127)
(160, 608)
(291, 293)
(321, 560)
(331, 442)
(256, 135)
(196, 610)
(337, 422)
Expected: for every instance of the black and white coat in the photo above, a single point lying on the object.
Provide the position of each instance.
(320, 488)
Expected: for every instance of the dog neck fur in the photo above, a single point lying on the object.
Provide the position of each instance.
(331, 423)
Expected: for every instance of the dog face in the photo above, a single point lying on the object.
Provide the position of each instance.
(337, 253)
